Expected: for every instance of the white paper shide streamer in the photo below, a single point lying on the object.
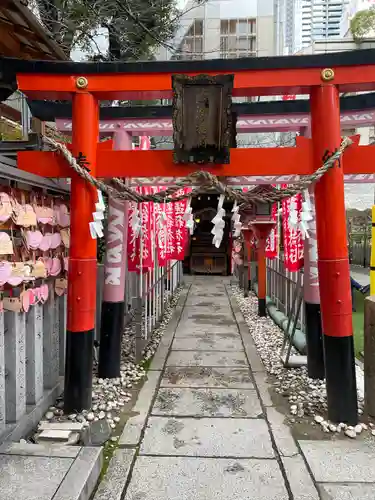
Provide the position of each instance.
(96, 226)
(135, 222)
(301, 223)
(188, 217)
(237, 225)
(219, 223)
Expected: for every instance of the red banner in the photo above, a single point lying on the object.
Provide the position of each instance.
(132, 243)
(293, 241)
(145, 243)
(160, 231)
(170, 228)
(181, 232)
(139, 247)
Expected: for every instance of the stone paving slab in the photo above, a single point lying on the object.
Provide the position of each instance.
(207, 402)
(206, 358)
(361, 491)
(212, 319)
(340, 461)
(207, 437)
(196, 376)
(186, 330)
(213, 314)
(31, 478)
(204, 301)
(215, 342)
(184, 478)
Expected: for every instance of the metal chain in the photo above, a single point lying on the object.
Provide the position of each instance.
(207, 182)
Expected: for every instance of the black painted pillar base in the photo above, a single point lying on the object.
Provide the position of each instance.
(262, 310)
(314, 340)
(341, 380)
(111, 331)
(78, 371)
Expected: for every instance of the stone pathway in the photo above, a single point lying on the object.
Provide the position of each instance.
(205, 428)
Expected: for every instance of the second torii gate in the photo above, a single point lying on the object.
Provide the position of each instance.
(323, 77)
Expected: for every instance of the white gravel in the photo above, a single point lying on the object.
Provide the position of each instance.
(306, 397)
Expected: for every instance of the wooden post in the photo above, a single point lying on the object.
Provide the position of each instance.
(333, 262)
(82, 261)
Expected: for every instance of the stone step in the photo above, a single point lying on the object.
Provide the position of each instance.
(58, 436)
(61, 426)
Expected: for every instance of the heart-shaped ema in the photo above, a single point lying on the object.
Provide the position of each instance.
(5, 272)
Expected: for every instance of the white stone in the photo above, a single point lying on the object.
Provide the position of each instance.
(358, 429)
(90, 416)
(101, 415)
(350, 433)
(332, 428)
(49, 415)
(318, 419)
(72, 416)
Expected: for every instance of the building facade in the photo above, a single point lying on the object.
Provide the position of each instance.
(292, 26)
(225, 29)
(319, 19)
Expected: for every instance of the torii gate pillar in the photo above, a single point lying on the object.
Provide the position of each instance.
(333, 262)
(82, 261)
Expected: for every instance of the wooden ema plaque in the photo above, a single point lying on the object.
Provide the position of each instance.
(202, 116)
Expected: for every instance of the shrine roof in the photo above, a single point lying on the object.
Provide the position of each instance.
(21, 34)
(50, 110)
(335, 59)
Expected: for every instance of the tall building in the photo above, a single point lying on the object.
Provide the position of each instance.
(321, 19)
(292, 26)
(224, 29)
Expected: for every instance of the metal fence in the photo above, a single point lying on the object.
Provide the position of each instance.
(281, 285)
(281, 288)
(147, 299)
(360, 252)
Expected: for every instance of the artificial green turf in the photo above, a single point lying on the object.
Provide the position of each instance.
(358, 322)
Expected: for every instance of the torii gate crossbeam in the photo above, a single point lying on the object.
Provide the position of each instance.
(323, 77)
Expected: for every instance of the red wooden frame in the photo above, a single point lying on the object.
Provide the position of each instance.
(158, 85)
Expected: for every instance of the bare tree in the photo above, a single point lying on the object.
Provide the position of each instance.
(132, 27)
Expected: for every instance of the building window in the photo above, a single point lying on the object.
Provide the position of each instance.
(192, 46)
(237, 38)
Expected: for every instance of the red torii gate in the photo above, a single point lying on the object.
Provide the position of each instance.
(323, 77)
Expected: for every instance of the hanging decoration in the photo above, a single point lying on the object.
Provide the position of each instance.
(161, 231)
(188, 217)
(306, 214)
(219, 223)
(134, 229)
(181, 236)
(293, 240)
(272, 243)
(170, 228)
(96, 226)
(146, 209)
(237, 225)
